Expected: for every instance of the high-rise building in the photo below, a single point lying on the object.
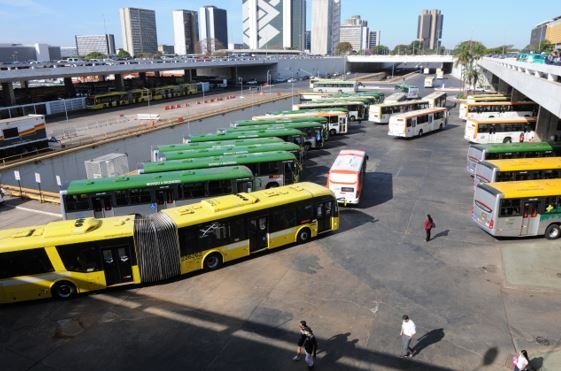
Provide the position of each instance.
(308, 40)
(538, 33)
(139, 31)
(185, 31)
(166, 49)
(429, 29)
(213, 28)
(374, 39)
(326, 22)
(104, 44)
(553, 32)
(274, 24)
(355, 32)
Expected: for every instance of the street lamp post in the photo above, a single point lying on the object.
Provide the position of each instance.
(65, 110)
(241, 87)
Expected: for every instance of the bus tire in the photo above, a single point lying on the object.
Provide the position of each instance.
(272, 185)
(352, 118)
(307, 147)
(507, 140)
(332, 132)
(304, 235)
(420, 133)
(552, 232)
(63, 290)
(441, 127)
(213, 261)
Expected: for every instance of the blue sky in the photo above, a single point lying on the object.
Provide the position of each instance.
(493, 22)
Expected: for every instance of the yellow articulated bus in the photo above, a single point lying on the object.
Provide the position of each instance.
(62, 259)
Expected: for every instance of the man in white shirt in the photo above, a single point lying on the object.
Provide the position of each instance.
(407, 331)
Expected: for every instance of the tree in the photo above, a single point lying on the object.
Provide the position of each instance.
(467, 53)
(380, 49)
(121, 53)
(402, 49)
(544, 46)
(416, 47)
(501, 49)
(94, 55)
(343, 48)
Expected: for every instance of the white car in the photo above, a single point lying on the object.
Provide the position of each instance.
(291, 80)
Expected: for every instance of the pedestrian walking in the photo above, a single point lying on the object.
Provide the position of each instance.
(408, 330)
(429, 225)
(521, 361)
(310, 347)
(304, 329)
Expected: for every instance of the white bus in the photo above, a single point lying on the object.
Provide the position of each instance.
(417, 123)
(513, 130)
(381, 113)
(411, 90)
(429, 82)
(436, 99)
(339, 86)
(337, 120)
(489, 110)
(395, 97)
(347, 176)
(439, 73)
(356, 110)
(511, 170)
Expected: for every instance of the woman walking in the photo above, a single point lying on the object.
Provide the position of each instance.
(429, 224)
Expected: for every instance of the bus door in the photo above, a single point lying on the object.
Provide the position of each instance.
(257, 233)
(102, 206)
(164, 199)
(323, 215)
(530, 218)
(117, 264)
(342, 124)
(413, 126)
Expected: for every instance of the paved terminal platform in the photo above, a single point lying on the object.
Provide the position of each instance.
(475, 299)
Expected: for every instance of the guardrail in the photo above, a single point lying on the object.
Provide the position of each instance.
(31, 194)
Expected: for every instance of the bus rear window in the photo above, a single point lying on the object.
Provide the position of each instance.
(483, 207)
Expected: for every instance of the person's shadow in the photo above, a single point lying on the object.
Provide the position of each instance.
(336, 347)
(431, 337)
(441, 234)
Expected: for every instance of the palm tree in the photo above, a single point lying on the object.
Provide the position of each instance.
(467, 53)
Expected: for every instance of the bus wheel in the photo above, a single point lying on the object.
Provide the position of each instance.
(213, 261)
(507, 140)
(552, 232)
(304, 235)
(352, 118)
(441, 126)
(272, 185)
(332, 132)
(63, 290)
(307, 147)
(420, 133)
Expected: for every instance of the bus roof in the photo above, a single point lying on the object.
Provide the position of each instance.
(434, 94)
(230, 143)
(244, 135)
(348, 160)
(425, 111)
(330, 103)
(232, 150)
(207, 162)
(516, 120)
(401, 103)
(517, 103)
(533, 163)
(66, 232)
(276, 125)
(151, 180)
(232, 205)
(525, 189)
(327, 81)
(283, 121)
(288, 114)
(518, 147)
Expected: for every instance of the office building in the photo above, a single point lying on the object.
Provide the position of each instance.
(307, 40)
(374, 39)
(139, 31)
(166, 49)
(538, 33)
(14, 53)
(186, 31)
(236, 46)
(355, 32)
(274, 24)
(213, 28)
(104, 44)
(429, 28)
(68, 51)
(553, 32)
(326, 22)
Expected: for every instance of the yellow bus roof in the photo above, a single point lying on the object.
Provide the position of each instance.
(66, 232)
(242, 203)
(420, 112)
(499, 103)
(522, 164)
(528, 188)
(514, 120)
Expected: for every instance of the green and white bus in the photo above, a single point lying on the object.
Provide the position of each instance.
(356, 109)
(149, 193)
(482, 152)
(337, 118)
(519, 209)
(510, 170)
(288, 135)
(315, 133)
(338, 86)
(270, 169)
(156, 151)
(295, 149)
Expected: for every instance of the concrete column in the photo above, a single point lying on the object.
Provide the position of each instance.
(548, 126)
(187, 75)
(234, 74)
(503, 87)
(157, 81)
(517, 96)
(142, 77)
(119, 82)
(69, 87)
(8, 96)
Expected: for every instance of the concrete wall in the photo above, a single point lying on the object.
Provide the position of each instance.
(71, 166)
(549, 126)
(287, 68)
